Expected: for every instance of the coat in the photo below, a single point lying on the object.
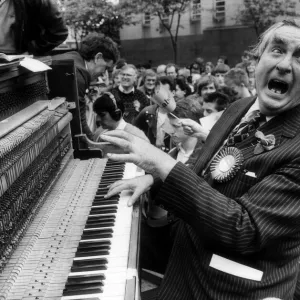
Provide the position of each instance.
(39, 26)
(249, 221)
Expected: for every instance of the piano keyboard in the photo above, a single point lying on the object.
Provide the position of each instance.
(99, 268)
(78, 245)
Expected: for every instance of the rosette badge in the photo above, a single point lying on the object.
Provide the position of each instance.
(226, 164)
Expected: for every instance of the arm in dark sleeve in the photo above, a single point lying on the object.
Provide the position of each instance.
(53, 28)
(140, 121)
(269, 211)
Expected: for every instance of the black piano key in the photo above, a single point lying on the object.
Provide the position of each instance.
(103, 210)
(91, 252)
(92, 247)
(97, 234)
(115, 174)
(91, 219)
(84, 245)
(85, 278)
(80, 286)
(105, 202)
(99, 220)
(67, 292)
(101, 194)
(92, 266)
(90, 262)
(99, 225)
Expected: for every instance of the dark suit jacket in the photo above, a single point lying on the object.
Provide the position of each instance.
(83, 79)
(248, 220)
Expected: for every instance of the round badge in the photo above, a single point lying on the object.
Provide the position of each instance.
(226, 164)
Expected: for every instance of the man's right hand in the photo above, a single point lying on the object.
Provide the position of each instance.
(138, 185)
(138, 151)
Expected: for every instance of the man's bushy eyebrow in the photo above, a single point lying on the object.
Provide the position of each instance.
(279, 40)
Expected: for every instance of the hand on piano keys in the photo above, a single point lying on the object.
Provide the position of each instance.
(151, 159)
(138, 185)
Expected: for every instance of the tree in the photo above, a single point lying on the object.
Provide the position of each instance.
(86, 16)
(169, 13)
(260, 14)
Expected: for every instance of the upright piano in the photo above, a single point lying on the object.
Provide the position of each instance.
(59, 237)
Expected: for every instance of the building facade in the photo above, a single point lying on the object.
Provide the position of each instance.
(208, 28)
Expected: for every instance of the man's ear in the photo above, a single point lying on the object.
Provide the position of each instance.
(98, 56)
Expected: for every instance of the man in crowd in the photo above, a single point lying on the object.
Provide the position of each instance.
(149, 79)
(245, 59)
(171, 70)
(238, 80)
(35, 27)
(96, 54)
(152, 117)
(238, 237)
(134, 100)
(206, 84)
(161, 70)
(214, 102)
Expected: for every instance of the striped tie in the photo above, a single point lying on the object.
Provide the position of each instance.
(245, 128)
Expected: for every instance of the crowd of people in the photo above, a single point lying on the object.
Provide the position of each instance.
(222, 168)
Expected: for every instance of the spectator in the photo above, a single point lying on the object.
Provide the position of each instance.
(151, 118)
(219, 72)
(209, 67)
(33, 26)
(110, 117)
(149, 80)
(250, 68)
(214, 102)
(245, 58)
(161, 70)
(95, 55)
(195, 68)
(207, 84)
(171, 70)
(158, 230)
(238, 80)
(133, 99)
(116, 78)
(222, 60)
(182, 89)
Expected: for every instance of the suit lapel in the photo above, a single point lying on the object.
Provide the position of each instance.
(229, 119)
(282, 127)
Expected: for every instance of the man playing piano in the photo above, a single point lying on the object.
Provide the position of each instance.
(239, 235)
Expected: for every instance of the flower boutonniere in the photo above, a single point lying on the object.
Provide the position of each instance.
(265, 142)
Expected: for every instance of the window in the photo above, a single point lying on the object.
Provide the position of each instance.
(291, 8)
(195, 10)
(165, 19)
(147, 19)
(219, 14)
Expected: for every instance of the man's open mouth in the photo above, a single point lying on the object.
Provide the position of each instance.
(278, 86)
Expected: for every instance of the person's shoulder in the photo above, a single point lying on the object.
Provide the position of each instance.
(139, 93)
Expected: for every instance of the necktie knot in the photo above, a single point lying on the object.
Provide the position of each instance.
(248, 125)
